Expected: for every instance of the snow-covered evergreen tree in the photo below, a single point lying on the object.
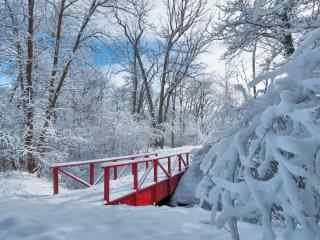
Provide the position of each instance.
(267, 169)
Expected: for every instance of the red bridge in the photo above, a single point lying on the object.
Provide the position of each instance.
(141, 179)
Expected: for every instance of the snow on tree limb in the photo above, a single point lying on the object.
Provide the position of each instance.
(269, 168)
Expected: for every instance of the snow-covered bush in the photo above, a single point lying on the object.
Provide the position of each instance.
(10, 132)
(267, 169)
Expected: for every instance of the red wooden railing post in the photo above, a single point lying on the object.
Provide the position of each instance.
(147, 162)
(91, 173)
(169, 173)
(155, 170)
(55, 180)
(179, 163)
(106, 183)
(187, 157)
(155, 178)
(115, 173)
(135, 176)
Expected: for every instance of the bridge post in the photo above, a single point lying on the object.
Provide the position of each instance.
(169, 166)
(135, 176)
(91, 173)
(115, 173)
(155, 170)
(55, 180)
(187, 158)
(147, 163)
(155, 178)
(179, 163)
(106, 183)
(170, 175)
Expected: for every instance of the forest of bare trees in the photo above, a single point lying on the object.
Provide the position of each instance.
(61, 103)
(89, 78)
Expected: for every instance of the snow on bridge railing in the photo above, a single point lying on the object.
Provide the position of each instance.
(149, 194)
(60, 168)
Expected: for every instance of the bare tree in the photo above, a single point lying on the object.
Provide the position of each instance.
(276, 27)
(183, 17)
(28, 57)
(48, 44)
(28, 91)
(132, 18)
(61, 64)
(183, 37)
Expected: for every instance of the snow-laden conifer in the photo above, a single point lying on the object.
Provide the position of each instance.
(267, 169)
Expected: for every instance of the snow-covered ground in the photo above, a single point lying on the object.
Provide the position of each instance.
(29, 212)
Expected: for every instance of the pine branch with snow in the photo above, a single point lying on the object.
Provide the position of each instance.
(268, 171)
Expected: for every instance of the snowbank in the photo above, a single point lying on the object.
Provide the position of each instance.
(32, 214)
(20, 184)
(185, 193)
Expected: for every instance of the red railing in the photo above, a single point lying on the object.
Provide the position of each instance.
(91, 165)
(155, 190)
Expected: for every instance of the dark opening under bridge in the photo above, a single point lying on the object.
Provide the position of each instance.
(141, 179)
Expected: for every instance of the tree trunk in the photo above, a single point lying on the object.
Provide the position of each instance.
(288, 39)
(234, 229)
(134, 83)
(166, 109)
(162, 96)
(254, 69)
(28, 94)
(55, 88)
(163, 83)
(140, 100)
(173, 144)
(233, 223)
(147, 89)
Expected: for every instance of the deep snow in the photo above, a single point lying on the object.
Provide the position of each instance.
(29, 212)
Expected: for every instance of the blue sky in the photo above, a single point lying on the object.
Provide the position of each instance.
(102, 55)
(2, 78)
(105, 54)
